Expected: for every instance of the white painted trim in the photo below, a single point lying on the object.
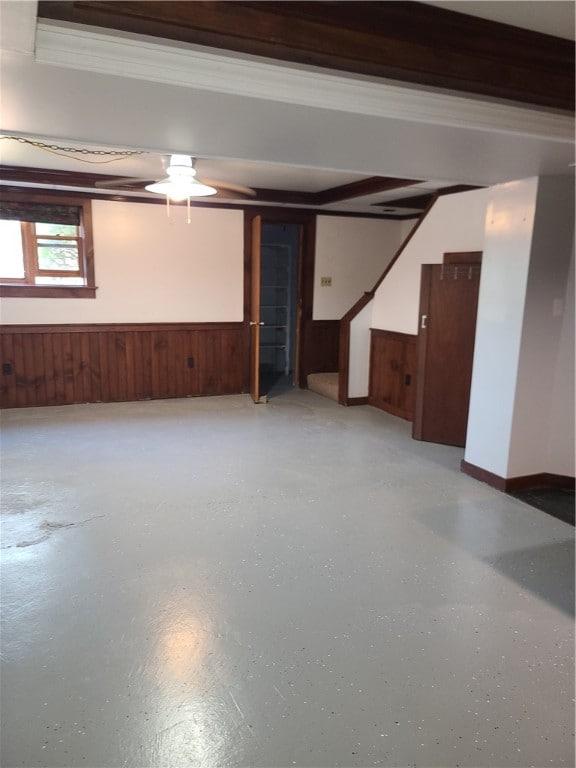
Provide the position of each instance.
(18, 27)
(75, 47)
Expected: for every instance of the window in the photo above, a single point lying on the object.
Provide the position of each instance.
(46, 247)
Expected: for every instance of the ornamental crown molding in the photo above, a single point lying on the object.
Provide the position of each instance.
(76, 47)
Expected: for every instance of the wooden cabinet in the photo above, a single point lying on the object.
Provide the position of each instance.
(392, 372)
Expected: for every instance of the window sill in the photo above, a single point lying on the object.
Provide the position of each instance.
(10, 290)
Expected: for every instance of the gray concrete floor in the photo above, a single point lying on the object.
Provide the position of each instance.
(211, 583)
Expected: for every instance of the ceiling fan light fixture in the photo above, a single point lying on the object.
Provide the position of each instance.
(181, 188)
(180, 183)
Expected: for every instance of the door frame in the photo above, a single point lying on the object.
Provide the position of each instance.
(305, 288)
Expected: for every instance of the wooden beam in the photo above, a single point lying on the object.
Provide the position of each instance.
(53, 177)
(362, 188)
(417, 202)
(369, 186)
(420, 202)
(406, 41)
(267, 198)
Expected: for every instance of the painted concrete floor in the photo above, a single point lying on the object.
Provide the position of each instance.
(211, 583)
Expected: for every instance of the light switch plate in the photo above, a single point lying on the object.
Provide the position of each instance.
(325, 282)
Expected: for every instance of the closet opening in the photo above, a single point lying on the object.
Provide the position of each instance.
(279, 278)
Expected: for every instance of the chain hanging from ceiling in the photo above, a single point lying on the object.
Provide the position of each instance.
(73, 153)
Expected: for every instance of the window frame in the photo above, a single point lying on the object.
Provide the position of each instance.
(14, 287)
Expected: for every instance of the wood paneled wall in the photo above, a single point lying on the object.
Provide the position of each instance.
(320, 344)
(393, 372)
(64, 364)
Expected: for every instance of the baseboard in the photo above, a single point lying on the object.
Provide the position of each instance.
(483, 475)
(542, 480)
(357, 401)
(507, 484)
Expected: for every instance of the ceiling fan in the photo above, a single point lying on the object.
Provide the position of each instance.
(181, 183)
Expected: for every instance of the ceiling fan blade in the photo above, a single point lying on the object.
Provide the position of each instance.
(228, 186)
(129, 181)
(229, 194)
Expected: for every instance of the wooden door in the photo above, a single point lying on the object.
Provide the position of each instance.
(255, 322)
(448, 306)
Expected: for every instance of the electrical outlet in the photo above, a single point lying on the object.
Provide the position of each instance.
(6, 368)
(326, 282)
(190, 362)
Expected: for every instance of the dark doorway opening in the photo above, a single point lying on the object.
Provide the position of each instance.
(280, 248)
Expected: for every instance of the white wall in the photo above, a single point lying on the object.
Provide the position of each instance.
(353, 252)
(455, 223)
(359, 360)
(151, 268)
(550, 256)
(509, 224)
(522, 397)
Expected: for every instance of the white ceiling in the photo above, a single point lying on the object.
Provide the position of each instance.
(551, 17)
(255, 122)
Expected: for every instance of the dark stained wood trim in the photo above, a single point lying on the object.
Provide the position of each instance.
(361, 215)
(54, 176)
(483, 475)
(393, 335)
(357, 401)
(7, 189)
(39, 195)
(362, 188)
(225, 206)
(27, 175)
(523, 482)
(406, 41)
(417, 202)
(47, 291)
(117, 327)
(420, 202)
(421, 352)
(284, 196)
(88, 245)
(455, 189)
(462, 257)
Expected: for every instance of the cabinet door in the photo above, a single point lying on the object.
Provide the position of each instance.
(392, 360)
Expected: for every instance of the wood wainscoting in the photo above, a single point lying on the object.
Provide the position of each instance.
(320, 348)
(392, 372)
(65, 364)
